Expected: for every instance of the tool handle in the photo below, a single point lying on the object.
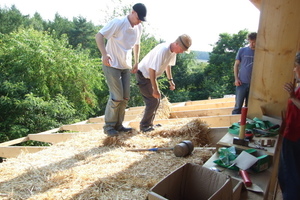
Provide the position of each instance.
(246, 179)
(161, 149)
(152, 149)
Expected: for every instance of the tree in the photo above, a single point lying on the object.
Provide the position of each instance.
(59, 26)
(82, 33)
(45, 82)
(10, 20)
(219, 78)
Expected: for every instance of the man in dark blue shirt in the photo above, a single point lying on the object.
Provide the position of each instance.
(242, 73)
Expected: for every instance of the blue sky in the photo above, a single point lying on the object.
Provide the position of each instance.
(203, 20)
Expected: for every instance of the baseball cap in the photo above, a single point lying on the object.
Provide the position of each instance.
(141, 11)
(184, 41)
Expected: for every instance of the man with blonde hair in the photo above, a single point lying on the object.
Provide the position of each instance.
(123, 34)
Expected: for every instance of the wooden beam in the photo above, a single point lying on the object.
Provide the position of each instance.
(204, 106)
(256, 3)
(212, 121)
(215, 134)
(128, 117)
(276, 46)
(136, 108)
(82, 127)
(13, 142)
(201, 112)
(14, 151)
(96, 119)
(210, 101)
(52, 138)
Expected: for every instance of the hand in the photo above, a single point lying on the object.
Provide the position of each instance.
(134, 68)
(237, 82)
(289, 87)
(156, 94)
(106, 59)
(172, 85)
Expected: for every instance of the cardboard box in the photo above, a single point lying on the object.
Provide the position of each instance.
(194, 182)
(263, 163)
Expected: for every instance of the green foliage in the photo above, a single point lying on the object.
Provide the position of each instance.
(188, 77)
(10, 20)
(50, 72)
(40, 72)
(219, 78)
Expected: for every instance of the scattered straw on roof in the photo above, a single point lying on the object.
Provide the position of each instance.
(94, 166)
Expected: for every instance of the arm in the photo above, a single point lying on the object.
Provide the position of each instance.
(290, 88)
(156, 92)
(136, 54)
(101, 46)
(170, 77)
(237, 81)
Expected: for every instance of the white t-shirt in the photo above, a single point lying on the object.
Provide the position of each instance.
(157, 59)
(121, 38)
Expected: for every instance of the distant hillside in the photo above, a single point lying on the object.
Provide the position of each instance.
(202, 55)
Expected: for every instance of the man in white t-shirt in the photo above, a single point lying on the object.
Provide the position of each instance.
(154, 64)
(123, 34)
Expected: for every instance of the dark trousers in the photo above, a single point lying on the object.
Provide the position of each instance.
(151, 103)
(241, 96)
(289, 170)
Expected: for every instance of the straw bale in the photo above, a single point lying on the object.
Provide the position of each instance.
(94, 166)
(163, 111)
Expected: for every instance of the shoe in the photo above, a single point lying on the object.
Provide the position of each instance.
(147, 129)
(124, 129)
(111, 132)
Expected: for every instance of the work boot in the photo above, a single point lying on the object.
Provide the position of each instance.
(111, 132)
(124, 129)
(147, 128)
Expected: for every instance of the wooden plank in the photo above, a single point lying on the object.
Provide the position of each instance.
(260, 179)
(216, 133)
(14, 151)
(256, 3)
(274, 61)
(208, 101)
(227, 140)
(96, 119)
(52, 138)
(101, 119)
(82, 127)
(178, 104)
(12, 142)
(212, 121)
(136, 108)
(273, 184)
(204, 106)
(134, 112)
(201, 113)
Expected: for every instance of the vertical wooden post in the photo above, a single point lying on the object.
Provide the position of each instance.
(256, 3)
(277, 43)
